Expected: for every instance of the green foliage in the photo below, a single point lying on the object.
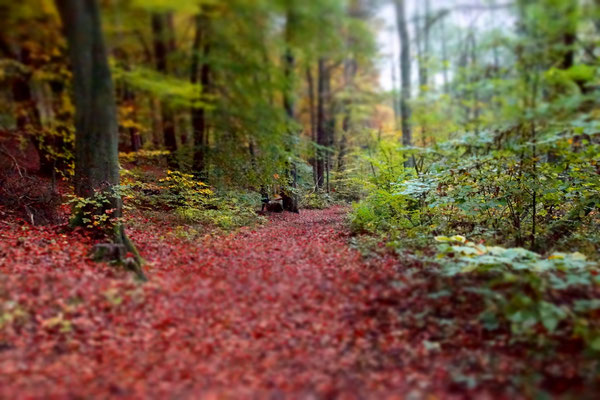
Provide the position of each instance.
(95, 212)
(146, 156)
(509, 157)
(191, 201)
(177, 91)
(527, 291)
(182, 190)
(316, 201)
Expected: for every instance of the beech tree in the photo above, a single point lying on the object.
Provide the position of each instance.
(164, 44)
(96, 127)
(404, 75)
(200, 73)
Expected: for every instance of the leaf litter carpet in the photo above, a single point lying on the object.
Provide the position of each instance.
(285, 310)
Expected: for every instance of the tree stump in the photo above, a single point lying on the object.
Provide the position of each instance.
(275, 207)
(108, 252)
(115, 254)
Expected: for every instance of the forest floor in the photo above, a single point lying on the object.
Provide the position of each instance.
(287, 309)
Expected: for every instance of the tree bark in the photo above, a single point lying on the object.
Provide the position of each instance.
(200, 73)
(163, 45)
(445, 58)
(28, 119)
(323, 97)
(405, 76)
(96, 138)
(96, 127)
(290, 200)
(134, 133)
(569, 36)
(313, 119)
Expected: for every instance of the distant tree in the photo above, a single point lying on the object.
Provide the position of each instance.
(404, 74)
(290, 200)
(164, 44)
(323, 115)
(200, 74)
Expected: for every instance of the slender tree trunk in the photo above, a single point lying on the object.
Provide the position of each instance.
(419, 34)
(134, 134)
(445, 58)
(427, 21)
(395, 94)
(163, 45)
(474, 82)
(28, 118)
(569, 37)
(350, 71)
(200, 73)
(405, 76)
(28, 115)
(290, 201)
(313, 119)
(323, 136)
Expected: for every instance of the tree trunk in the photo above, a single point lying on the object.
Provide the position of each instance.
(445, 58)
(134, 133)
(96, 138)
(96, 127)
(313, 119)
(395, 98)
(28, 119)
(200, 73)
(350, 71)
(569, 37)
(290, 200)
(474, 82)
(322, 120)
(405, 76)
(163, 45)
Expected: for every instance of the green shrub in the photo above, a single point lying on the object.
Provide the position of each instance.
(191, 201)
(527, 291)
(316, 201)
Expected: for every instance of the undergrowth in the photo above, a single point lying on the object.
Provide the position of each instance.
(189, 202)
(519, 222)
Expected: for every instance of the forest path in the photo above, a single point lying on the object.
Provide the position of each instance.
(280, 308)
(286, 309)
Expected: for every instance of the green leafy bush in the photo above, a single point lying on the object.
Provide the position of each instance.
(527, 291)
(191, 201)
(316, 201)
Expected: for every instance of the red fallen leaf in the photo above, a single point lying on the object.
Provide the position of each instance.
(285, 310)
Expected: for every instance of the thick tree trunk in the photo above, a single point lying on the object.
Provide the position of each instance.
(163, 45)
(96, 127)
(200, 73)
(405, 76)
(96, 138)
